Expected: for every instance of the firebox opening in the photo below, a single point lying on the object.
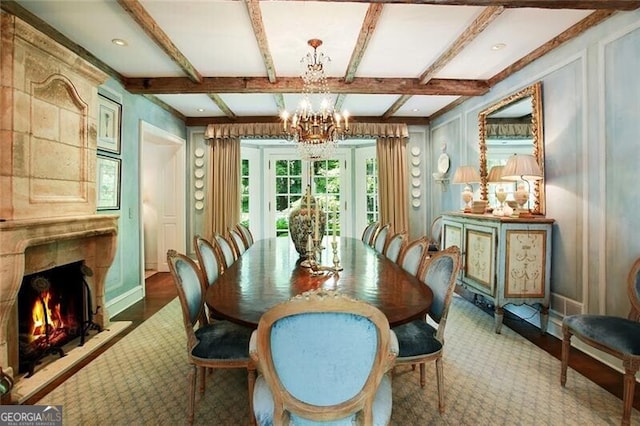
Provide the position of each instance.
(52, 311)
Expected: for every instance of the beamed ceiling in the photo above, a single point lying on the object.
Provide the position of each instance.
(239, 61)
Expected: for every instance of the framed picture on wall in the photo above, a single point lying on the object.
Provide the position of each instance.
(108, 183)
(109, 116)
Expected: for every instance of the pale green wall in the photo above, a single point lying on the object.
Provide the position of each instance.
(591, 102)
(125, 274)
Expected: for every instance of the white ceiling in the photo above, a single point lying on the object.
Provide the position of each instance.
(217, 38)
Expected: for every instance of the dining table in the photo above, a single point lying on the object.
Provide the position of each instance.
(270, 271)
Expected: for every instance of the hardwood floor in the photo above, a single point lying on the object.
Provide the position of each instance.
(160, 290)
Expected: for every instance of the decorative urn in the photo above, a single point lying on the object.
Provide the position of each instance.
(307, 218)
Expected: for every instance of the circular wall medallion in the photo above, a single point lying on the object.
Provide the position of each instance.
(415, 182)
(415, 151)
(199, 195)
(415, 161)
(199, 162)
(415, 192)
(199, 184)
(199, 205)
(415, 172)
(199, 173)
(199, 152)
(415, 202)
(443, 163)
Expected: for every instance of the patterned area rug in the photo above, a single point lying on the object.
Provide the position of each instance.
(490, 380)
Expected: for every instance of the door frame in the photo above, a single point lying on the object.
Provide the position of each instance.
(150, 136)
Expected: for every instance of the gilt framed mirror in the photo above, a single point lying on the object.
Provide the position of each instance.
(513, 126)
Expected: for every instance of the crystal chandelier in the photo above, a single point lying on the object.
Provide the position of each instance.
(315, 127)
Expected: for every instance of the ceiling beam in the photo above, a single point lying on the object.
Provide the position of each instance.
(593, 19)
(153, 30)
(255, 16)
(204, 121)
(398, 86)
(396, 106)
(165, 106)
(539, 4)
(222, 105)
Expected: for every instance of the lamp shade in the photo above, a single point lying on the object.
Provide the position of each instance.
(495, 175)
(522, 167)
(466, 174)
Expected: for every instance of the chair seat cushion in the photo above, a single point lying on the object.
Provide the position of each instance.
(222, 340)
(416, 338)
(620, 334)
(263, 406)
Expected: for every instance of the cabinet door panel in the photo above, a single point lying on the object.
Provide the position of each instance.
(525, 263)
(479, 265)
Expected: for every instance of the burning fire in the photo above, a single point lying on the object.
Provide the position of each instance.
(45, 317)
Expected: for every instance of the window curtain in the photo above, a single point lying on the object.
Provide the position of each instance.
(223, 209)
(392, 182)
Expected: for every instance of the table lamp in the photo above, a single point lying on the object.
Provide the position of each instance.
(466, 175)
(495, 177)
(525, 168)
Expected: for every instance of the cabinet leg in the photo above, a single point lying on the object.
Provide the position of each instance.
(498, 316)
(544, 319)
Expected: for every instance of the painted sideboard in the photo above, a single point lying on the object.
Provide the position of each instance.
(505, 259)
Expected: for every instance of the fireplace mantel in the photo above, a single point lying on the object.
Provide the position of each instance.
(32, 245)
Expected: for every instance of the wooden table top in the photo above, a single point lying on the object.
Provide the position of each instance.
(269, 273)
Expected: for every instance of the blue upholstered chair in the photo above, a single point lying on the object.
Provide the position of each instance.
(369, 231)
(616, 336)
(422, 340)
(235, 238)
(218, 345)
(246, 234)
(380, 240)
(436, 234)
(395, 245)
(208, 259)
(413, 255)
(226, 249)
(323, 358)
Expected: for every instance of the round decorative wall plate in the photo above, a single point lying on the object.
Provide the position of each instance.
(415, 161)
(415, 202)
(199, 152)
(199, 184)
(199, 162)
(199, 205)
(443, 163)
(415, 172)
(415, 182)
(199, 173)
(199, 195)
(415, 151)
(415, 193)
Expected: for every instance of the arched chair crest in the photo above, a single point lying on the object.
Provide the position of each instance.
(380, 240)
(323, 357)
(413, 255)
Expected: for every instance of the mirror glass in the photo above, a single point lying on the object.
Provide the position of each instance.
(512, 126)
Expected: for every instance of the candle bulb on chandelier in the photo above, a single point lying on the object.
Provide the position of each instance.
(285, 117)
(346, 120)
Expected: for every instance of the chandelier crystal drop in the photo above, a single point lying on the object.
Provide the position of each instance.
(315, 127)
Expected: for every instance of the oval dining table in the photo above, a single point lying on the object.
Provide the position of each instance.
(269, 272)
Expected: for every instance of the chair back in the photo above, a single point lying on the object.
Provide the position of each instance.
(412, 256)
(208, 259)
(189, 283)
(237, 241)
(381, 238)
(246, 233)
(367, 235)
(436, 234)
(225, 248)
(395, 245)
(633, 283)
(440, 273)
(323, 355)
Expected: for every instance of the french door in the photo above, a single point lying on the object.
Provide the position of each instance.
(288, 177)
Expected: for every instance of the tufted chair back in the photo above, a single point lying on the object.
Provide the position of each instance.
(323, 357)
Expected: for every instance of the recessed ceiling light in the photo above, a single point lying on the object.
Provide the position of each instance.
(415, 109)
(498, 46)
(200, 109)
(119, 42)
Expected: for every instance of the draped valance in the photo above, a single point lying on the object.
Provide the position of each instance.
(274, 130)
(508, 131)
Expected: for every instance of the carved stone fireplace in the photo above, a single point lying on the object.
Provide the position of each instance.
(48, 109)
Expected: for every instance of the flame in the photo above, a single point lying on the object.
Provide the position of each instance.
(53, 316)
